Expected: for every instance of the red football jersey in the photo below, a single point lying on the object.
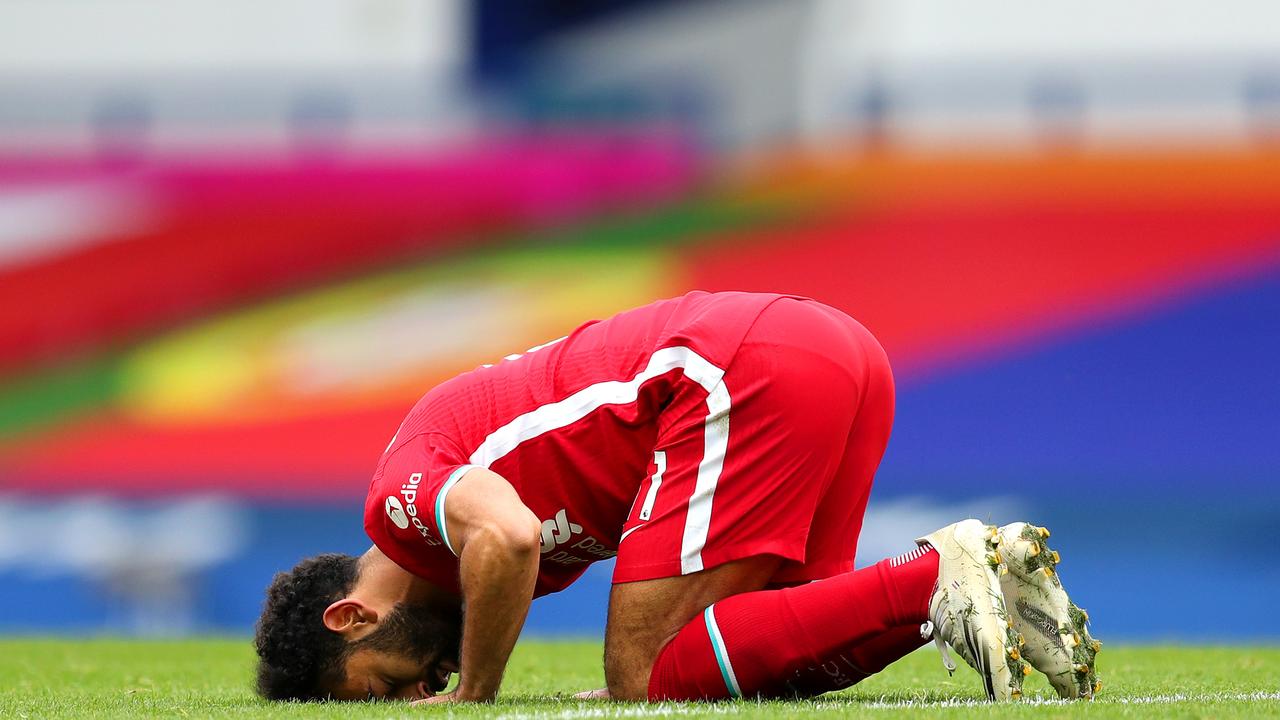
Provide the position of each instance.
(570, 424)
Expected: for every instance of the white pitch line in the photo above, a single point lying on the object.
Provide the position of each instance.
(606, 710)
(1258, 696)
(1206, 697)
(584, 712)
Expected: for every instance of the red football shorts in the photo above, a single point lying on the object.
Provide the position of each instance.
(807, 415)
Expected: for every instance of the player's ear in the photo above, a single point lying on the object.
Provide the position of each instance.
(348, 614)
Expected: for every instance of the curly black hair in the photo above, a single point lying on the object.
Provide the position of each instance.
(298, 656)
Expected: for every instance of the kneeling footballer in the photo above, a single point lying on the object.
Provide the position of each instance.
(722, 447)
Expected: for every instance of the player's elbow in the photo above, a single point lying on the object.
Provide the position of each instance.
(518, 534)
(527, 535)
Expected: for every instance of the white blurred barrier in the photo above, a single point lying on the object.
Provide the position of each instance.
(745, 73)
(753, 72)
(144, 557)
(163, 73)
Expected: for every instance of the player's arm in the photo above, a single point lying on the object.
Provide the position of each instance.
(497, 541)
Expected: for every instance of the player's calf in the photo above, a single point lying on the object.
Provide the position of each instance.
(782, 643)
(647, 617)
(627, 668)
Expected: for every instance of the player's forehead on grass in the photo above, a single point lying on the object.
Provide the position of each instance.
(318, 639)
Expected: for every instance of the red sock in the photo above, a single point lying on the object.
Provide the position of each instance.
(856, 664)
(754, 643)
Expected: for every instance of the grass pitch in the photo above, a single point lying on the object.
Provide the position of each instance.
(212, 679)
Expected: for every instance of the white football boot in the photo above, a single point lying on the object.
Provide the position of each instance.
(1055, 631)
(967, 609)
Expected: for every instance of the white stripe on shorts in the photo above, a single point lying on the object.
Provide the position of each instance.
(715, 443)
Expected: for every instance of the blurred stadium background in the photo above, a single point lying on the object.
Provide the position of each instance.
(238, 239)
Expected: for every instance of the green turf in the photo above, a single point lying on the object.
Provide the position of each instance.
(211, 678)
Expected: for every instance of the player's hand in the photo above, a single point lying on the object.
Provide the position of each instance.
(498, 540)
(601, 694)
(448, 697)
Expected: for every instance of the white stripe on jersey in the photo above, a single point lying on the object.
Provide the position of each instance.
(577, 406)
(454, 477)
(570, 410)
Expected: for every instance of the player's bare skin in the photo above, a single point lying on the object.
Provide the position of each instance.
(497, 539)
(368, 673)
(645, 615)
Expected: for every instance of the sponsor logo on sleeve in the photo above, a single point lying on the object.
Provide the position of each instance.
(405, 513)
(395, 511)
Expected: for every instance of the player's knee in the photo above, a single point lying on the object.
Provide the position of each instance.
(626, 672)
(628, 687)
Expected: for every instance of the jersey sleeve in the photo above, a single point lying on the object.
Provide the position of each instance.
(404, 512)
